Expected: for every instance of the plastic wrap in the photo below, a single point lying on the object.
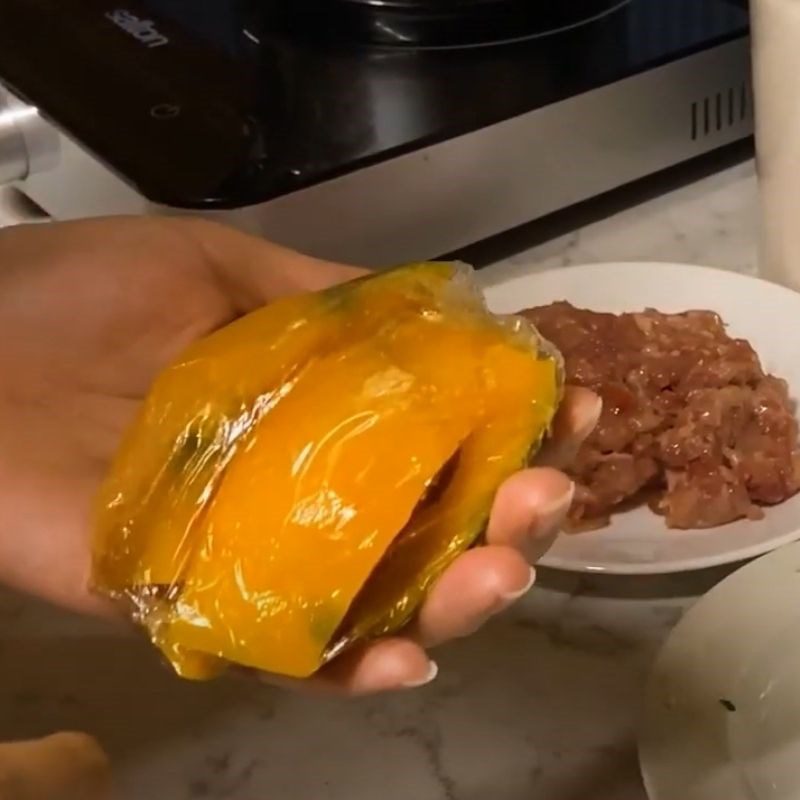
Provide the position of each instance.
(296, 481)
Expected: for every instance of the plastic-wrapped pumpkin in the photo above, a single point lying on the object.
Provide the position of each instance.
(296, 481)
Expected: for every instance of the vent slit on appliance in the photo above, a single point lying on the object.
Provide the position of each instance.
(716, 113)
(731, 105)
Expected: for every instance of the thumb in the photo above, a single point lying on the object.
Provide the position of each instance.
(65, 766)
(255, 271)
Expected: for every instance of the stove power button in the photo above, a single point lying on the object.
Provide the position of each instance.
(26, 141)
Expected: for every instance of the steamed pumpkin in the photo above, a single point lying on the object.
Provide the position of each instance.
(298, 479)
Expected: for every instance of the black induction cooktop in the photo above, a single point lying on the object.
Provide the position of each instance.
(223, 103)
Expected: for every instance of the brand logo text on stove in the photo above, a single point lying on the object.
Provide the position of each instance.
(143, 30)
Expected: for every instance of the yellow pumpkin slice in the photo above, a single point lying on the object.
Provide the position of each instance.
(515, 417)
(299, 520)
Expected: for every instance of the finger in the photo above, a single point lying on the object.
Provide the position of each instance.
(529, 509)
(255, 271)
(479, 584)
(576, 419)
(383, 666)
(65, 766)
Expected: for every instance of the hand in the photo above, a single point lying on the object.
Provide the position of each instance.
(91, 311)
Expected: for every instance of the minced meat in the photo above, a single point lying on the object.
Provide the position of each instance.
(690, 423)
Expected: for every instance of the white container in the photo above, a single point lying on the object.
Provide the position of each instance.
(776, 84)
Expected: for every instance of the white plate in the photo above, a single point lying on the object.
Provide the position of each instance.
(722, 706)
(767, 315)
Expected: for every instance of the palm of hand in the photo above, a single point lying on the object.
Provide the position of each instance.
(87, 327)
(90, 312)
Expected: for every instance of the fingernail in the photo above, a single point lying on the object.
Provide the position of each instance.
(592, 418)
(502, 602)
(510, 597)
(552, 514)
(433, 671)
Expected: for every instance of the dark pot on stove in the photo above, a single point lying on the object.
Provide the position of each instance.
(437, 23)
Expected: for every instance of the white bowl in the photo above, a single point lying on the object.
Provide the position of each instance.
(722, 705)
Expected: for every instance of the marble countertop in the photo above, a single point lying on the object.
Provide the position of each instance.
(541, 704)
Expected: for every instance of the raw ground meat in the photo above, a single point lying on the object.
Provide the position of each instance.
(690, 421)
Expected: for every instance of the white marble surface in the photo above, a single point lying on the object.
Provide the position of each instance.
(542, 705)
